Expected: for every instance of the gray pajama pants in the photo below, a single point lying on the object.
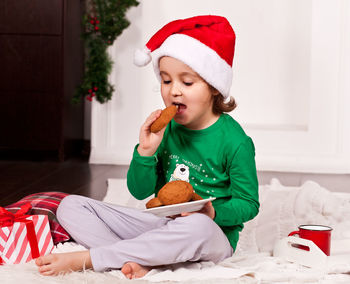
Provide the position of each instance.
(116, 235)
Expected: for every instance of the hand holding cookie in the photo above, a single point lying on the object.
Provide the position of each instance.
(152, 130)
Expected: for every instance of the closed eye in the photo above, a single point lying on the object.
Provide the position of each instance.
(188, 83)
(166, 82)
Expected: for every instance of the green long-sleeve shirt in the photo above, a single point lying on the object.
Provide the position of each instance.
(218, 161)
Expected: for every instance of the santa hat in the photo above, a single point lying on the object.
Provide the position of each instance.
(204, 43)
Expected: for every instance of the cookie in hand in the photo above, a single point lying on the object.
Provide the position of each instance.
(164, 118)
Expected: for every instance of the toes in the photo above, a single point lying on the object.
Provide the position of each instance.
(49, 273)
(43, 260)
(129, 276)
(39, 261)
(127, 270)
(133, 270)
(44, 268)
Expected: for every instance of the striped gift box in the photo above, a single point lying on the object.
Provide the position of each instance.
(15, 243)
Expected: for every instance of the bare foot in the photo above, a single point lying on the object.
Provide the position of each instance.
(54, 264)
(133, 270)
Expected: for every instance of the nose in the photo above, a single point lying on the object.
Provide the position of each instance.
(182, 169)
(175, 90)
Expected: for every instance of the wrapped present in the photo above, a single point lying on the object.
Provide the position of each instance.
(23, 237)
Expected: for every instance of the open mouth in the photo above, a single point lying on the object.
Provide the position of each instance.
(180, 107)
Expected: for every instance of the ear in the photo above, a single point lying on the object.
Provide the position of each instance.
(214, 91)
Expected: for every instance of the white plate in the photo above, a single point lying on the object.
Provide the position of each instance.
(175, 209)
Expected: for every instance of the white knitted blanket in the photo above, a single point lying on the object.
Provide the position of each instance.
(282, 210)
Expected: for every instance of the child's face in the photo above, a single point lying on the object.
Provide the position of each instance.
(184, 87)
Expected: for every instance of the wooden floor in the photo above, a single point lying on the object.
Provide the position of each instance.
(75, 176)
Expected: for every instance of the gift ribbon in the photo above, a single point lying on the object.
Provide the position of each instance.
(7, 219)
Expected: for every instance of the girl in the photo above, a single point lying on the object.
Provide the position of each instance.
(193, 60)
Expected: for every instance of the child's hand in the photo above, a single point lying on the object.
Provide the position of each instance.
(149, 142)
(207, 209)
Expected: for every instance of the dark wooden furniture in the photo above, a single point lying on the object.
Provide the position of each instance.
(74, 175)
(41, 63)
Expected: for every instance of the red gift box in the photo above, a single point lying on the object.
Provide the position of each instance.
(23, 237)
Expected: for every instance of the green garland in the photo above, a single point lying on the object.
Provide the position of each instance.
(103, 22)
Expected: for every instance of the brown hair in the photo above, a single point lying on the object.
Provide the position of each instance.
(220, 106)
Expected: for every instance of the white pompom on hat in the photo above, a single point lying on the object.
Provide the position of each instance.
(204, 43)
(142, 57)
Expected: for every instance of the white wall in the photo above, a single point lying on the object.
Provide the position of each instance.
(291, 81)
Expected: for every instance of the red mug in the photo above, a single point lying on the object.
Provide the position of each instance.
(319, 234)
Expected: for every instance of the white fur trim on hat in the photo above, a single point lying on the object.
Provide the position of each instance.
(201, 58)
